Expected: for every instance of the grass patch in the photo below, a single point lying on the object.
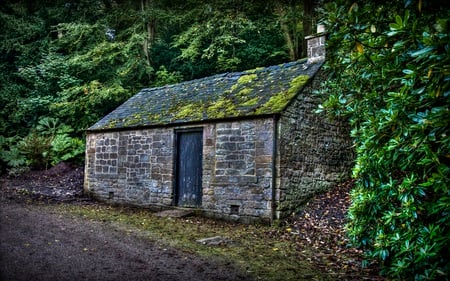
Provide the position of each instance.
(254, 248)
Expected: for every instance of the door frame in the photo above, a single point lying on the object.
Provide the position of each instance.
(177, 133)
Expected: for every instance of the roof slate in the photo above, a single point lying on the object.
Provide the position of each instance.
(254, 92)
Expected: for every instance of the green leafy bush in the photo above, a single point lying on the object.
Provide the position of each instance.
(65, 148)
(390, 75)
(48, 144)
(36, 148)
(12, 159)
(62, 147)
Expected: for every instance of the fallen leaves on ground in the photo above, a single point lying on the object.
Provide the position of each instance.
(320, 226)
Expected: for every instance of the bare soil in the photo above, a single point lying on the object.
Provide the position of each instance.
(37, 243)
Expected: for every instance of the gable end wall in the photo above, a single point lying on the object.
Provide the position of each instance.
(314, 153)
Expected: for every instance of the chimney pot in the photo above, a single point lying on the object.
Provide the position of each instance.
(320, 28)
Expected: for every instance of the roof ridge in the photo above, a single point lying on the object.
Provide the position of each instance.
(259, 91)
(230, 74)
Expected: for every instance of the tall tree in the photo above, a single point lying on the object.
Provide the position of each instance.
(309, 19)
(77, 60)
(223, 32)
(290, 18)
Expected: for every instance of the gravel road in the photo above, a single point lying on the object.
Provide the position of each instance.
(36, 243)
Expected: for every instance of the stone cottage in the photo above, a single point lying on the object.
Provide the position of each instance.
(246, 146)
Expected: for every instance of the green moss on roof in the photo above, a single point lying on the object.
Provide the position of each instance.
(278, 102)
(253, 70)
(260, 91)
(247, 78)
(190, 110)
(221, 108)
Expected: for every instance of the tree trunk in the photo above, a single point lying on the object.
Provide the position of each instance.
(288, 24)
(149, 29)
(308, 18)
(289, 41)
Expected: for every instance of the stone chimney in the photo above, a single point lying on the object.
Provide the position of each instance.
(316, 45)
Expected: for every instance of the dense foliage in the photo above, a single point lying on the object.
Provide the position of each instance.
(71, 62)
(65, 64)
(390, 68)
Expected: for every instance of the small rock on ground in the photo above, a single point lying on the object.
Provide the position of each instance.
(174, 213)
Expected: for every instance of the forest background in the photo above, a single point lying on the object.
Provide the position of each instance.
(65, 64)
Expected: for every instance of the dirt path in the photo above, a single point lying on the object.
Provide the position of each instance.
(37, 243)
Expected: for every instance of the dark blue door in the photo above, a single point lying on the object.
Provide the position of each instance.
(189, 169)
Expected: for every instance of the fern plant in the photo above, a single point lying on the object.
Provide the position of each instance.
(66, 148)
(36, 148)
(11, 157)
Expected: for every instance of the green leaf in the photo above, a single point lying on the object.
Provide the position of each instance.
(398, 109)
(408, 71)
(422, 52)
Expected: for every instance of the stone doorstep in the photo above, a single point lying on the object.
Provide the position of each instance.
(214, 241)
(174, 213)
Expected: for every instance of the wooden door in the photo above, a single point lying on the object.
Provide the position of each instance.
(189, 168)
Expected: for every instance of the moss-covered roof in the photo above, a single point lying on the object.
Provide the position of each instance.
(254, 92)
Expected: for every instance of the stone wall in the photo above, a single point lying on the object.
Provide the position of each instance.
(315, 152)
(238, 169)
(133, 167)
(137, 167)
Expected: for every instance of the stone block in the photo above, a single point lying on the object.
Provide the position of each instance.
(245, 146)
(263, 159)
(226, 147)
